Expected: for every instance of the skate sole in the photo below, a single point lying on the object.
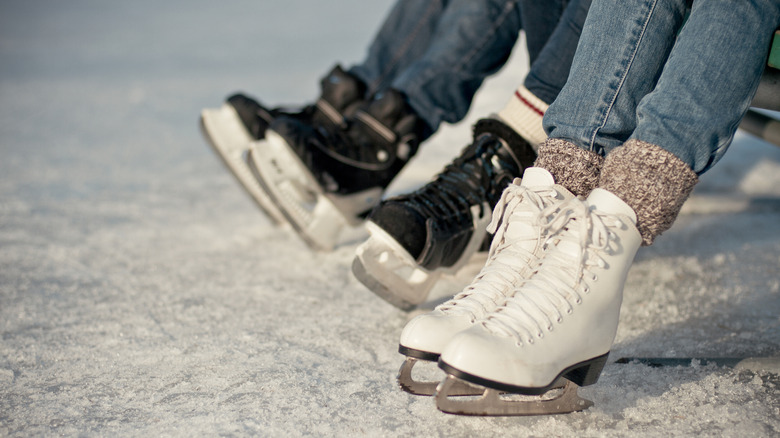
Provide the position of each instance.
(581, 374)
(224, 132)
(300, 198)
(386, 268)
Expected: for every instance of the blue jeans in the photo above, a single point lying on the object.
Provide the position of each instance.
(643, 72)
(439, 52)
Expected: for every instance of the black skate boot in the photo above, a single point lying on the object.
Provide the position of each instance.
(242, 121)
(415, 238)
(325, 177)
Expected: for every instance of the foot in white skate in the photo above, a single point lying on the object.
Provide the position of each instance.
(562, 321)
(230, 139)
(519, 237)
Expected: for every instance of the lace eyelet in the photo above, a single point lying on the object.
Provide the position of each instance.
(569, 311)
(530, 341)
(540, 335)
(559, 320)
(594, 277)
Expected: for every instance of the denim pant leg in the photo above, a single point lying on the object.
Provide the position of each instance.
(623, 48)
(709, 80)
(403, 38)
(550, 67)
(473, 40)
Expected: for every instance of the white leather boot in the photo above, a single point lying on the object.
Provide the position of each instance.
(563, 320)
(519, 235)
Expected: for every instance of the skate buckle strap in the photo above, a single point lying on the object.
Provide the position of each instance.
(330, 112)
(386, 133)
(579, 234)
(510, 253)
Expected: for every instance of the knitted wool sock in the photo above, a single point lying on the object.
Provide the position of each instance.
(524, 113)
(652, 181)
(572, 167)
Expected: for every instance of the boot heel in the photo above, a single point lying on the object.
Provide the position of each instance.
(587, 373)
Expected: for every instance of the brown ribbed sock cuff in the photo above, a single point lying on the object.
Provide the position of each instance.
(571, 166)
(652, 181)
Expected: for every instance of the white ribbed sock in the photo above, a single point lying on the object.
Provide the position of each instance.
(524, 113)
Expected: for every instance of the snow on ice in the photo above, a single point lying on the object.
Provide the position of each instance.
(142, 293)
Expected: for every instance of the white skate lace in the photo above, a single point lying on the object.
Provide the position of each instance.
(509, 252)
(577, 236)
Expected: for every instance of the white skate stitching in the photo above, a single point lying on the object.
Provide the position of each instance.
(506, 259)
(556, 287)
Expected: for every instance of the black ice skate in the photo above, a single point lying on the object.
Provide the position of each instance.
(242, 122)
(323, 179)
(415, 238)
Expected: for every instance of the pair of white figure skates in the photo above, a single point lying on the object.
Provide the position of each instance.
(540, 317)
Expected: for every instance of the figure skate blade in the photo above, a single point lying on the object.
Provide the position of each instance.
(561, 399)
(410, 384)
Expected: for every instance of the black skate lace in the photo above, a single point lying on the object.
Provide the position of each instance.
(471, 179)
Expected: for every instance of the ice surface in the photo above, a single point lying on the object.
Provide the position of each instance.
(142, 293)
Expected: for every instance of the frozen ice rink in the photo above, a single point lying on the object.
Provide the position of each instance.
(143, 294)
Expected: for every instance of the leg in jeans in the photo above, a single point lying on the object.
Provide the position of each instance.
(625, 45)
(403, 38)
(708, 82)
(672, 95)
(550, 67)
(473, 40)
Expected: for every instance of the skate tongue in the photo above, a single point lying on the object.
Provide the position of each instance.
(523, 222)
(536, 176)
(607, 202)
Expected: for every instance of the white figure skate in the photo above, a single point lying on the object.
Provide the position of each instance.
(562, 321)
(520, 234)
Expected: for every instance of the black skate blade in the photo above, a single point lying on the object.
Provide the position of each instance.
(562, 399)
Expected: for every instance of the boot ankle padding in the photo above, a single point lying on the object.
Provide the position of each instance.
(571, 166)
(652, 181)
(341, 94)
(521, 150)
